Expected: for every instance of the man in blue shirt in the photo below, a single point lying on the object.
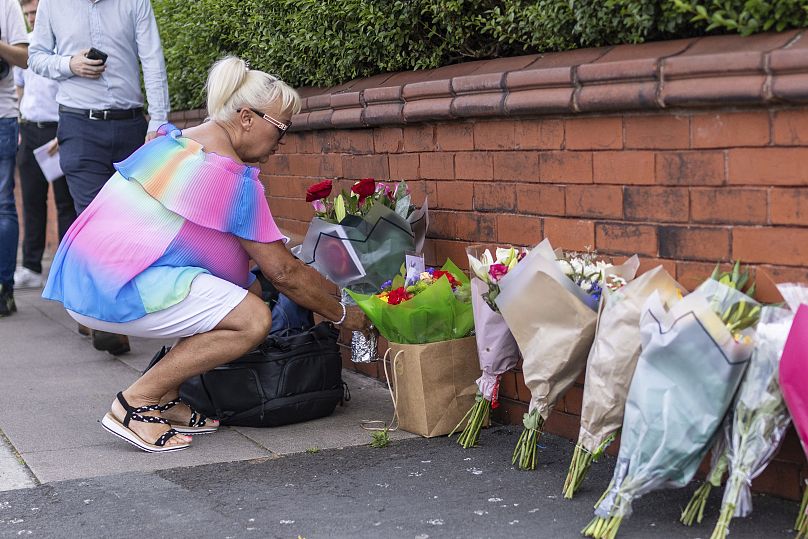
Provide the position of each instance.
(13, 52)
(101, 117)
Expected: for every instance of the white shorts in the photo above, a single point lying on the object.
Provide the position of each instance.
(208, 302)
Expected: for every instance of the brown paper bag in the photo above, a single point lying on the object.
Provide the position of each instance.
(434, 384)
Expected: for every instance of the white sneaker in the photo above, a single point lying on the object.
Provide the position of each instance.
(25, 278)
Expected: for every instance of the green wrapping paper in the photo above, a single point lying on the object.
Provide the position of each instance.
(436, 314)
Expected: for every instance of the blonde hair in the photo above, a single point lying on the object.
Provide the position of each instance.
(232, 85)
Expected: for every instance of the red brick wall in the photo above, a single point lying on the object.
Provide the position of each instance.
(685, 189)
(687, 153)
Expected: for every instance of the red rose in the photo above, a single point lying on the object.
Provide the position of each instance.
(318, 191)
(398, 295)
(364, 188)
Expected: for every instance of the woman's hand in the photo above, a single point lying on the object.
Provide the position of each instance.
(355, 319)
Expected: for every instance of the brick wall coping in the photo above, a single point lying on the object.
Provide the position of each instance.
(763, 69)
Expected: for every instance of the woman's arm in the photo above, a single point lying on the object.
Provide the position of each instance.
(295, 280)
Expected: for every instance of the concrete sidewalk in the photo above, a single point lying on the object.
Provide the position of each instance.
(54, 389)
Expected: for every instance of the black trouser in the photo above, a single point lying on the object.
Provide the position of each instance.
(35, 195)
(88, 148)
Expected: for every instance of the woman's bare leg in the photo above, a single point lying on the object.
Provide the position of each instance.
(181, 413)
(239, 332)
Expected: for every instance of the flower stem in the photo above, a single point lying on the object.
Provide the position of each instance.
(477, 416)
(603, 528)
(579, 467)
(694, 511)
(802, 519)
(722, 526)
(524, 454)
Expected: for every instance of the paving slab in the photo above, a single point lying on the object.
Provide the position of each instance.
(55, 388)
(13, 472)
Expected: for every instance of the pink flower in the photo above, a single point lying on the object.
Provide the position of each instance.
(318, 206)
(496, 271)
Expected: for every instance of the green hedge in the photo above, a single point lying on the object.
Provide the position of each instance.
(326, 42)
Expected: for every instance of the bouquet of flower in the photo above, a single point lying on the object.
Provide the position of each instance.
(359, 239)
(693, 357)
(490, 269)
(610, 367)
(719, 464)
(364, 194)
(433, 306)
(719, 456)
(793, 382)
(496, 347)
(549, 302)
(759, 419)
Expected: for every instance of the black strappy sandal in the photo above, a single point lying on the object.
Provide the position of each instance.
(198, 424)
(122, 430)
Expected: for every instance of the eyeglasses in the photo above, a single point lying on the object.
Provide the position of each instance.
(282, 127)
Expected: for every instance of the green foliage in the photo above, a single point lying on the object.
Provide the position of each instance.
(327, 42)
(380, 439)
(746, 17)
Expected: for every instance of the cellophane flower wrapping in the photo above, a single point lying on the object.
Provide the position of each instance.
(435, 314)
(793, 381)
(759, 416)
(361, 253)
(614, 354)
(686, 376)
(610, 367)
(553, 321)
(496, 347)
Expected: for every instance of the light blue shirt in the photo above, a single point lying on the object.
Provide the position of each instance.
(38, 103)
(124, 29)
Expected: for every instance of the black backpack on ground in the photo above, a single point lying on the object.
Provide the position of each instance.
(294, 376)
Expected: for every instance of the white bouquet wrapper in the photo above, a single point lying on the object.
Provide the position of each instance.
(686, 376)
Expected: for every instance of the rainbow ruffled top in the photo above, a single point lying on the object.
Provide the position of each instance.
(169, 213)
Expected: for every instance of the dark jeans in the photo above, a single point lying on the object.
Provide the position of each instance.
(35, 196)
(9, 225)
(87, 149)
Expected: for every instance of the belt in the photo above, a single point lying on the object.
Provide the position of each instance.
(41, 125)
(109, 114)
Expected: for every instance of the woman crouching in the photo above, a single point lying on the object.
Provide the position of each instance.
(163, 251)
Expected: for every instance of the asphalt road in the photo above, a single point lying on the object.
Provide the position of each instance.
(413, 488)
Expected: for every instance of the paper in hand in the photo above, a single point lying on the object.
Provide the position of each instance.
(48, 163)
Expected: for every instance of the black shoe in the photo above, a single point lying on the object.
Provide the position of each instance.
(7, 305)
(111, 342)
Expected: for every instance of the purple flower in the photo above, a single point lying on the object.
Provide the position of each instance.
(496, 271)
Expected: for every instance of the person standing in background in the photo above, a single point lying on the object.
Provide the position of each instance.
(39, 117)
(96, 49)
(13, 52)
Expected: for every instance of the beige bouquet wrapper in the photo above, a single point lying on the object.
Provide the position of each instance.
(614, 354)
(434, 384)
(551, 321)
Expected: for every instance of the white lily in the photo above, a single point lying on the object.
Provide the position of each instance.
(505, 256)
(480, 267)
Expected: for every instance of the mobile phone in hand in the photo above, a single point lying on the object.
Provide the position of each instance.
(95, 54)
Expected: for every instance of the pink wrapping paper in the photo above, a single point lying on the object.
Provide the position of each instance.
(793, 378)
